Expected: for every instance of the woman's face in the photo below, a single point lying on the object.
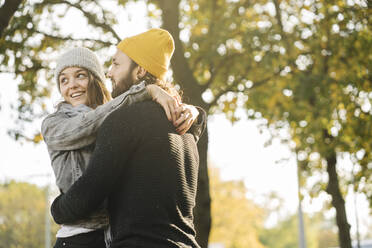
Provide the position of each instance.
(73, 83)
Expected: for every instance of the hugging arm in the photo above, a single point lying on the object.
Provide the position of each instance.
(199, 124)
(63, 132)
(183, 116)
(106, 166)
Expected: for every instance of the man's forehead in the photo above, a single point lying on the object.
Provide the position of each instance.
(115, 57)
(119, 56)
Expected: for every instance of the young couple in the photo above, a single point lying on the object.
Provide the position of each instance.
(127, 168)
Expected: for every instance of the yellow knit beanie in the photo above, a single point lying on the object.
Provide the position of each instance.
(152, 50)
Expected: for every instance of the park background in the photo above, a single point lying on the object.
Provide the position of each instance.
(288, 97)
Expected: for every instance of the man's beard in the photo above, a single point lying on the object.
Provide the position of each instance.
(122, 86)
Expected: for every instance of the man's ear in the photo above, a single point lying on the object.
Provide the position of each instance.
(141, 72)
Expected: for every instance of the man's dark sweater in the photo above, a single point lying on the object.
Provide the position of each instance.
(148, 173)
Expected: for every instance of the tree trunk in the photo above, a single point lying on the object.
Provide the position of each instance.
(338, 202)
(192, 90)
(6, 13)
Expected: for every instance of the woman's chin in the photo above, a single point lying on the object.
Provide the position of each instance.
(77, 103)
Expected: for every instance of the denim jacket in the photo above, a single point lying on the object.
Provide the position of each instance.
(70, 134)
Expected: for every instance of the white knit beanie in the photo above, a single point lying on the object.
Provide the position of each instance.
(80, 57)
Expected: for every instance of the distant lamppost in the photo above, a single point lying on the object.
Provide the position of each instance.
(47, 217)
(355, 207)
(301, 226)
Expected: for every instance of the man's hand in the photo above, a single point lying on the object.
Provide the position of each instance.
(188, 115)
(170, 104)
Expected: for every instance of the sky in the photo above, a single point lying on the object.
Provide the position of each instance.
(237, 150)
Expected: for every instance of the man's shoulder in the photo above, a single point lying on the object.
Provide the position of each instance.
(135, 118)
(146, 104)
(137, 111)
(140, 108)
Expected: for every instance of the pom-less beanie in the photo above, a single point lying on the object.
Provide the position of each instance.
(152, 50)
(80, 57)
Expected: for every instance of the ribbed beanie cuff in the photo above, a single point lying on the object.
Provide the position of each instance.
(80, 57)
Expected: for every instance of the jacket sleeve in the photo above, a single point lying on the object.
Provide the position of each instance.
(198, 127)
(62, 132)
(107, 165)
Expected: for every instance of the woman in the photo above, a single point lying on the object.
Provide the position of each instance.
(70, 132)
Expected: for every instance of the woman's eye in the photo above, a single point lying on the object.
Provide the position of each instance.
(81, 75)
(63, 80)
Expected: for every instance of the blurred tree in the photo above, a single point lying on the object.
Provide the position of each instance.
(6, 13)
(319, 95)
(22, 216)
(299, 64)
(282, 235)
(235, 219)
(319, 233)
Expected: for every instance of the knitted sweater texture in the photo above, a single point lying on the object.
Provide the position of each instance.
(149, 175)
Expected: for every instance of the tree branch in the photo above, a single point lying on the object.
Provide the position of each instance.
(66, 38)
(104, 13)
(91, 17)
(6, 71)
(213, 17)
(231, 87)
(195, 63)
(222, 92)
(216, 69)
(328, 35)
(280, 23)
(6, 13)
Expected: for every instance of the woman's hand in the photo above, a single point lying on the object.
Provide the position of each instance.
(188, 115)
(181, 115)
(170, 104)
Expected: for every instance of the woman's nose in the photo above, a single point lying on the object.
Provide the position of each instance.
(72, 83)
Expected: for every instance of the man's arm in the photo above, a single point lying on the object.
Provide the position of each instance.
(105, 167)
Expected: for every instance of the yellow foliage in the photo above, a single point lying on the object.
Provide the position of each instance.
(22, 210)
(37, 138)
(235, 219)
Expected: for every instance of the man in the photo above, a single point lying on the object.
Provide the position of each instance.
(141, 164)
